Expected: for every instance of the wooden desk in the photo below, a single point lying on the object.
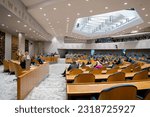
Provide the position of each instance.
(30, 79)
(73, 89)
(145, 66)
(101, 76)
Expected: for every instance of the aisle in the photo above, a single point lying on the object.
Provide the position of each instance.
(53, 87)
(8, 87)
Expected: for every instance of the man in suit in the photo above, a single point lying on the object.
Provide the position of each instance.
(71, 66)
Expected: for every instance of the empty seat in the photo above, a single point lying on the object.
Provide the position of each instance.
(96, 71)
(84, 78)
(141, 75)
(119, 76)
(123, 92)
(127, 69)
(75, 71)
(111, 71)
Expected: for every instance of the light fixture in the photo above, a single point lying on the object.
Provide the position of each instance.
(106, 7)
(86, 0)
(34, 31)
(67, 18)
(25, 25)
(47, 19)
(91, 11)
(125, 3)
(143, 9)
(54, 9)
(146, 15)
(41, 8)
(9, 15)
(16, 30)
(3, 25)
(69, 4)
(44, 14)
(148, 22)
(18, 21)
(78, 14)
(30, 29)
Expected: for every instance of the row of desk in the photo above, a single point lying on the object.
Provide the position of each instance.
(74, 89)
(30, 79)
(92, 88)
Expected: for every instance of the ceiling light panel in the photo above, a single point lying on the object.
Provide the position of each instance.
(108, 23)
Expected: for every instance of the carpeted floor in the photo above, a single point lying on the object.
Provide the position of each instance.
(52, 88)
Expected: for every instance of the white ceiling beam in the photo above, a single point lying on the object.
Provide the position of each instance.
(44, 4)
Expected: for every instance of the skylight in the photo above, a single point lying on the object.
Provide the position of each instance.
(108, 23)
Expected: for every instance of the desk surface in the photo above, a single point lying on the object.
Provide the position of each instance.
(101, 76)
(73, 89)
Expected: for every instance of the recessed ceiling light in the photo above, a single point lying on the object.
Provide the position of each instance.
(106, 7)
(148, 22)
(9, 15)
(34, 31)
(54, 9)
(18, 21)
(30, 29)
(146, 15)
(41, 8)
(44, 14)
(125, 3)
(78, 14)
(25, 25)
(91, 11)
(47, 19)
(3, 24)
(143, 9)
(16, 30)
(69, 4)
(87, 0)
(67, 18)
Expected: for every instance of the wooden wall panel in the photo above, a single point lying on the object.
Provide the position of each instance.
(15, 44)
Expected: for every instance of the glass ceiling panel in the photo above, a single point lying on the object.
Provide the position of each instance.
(108, 23)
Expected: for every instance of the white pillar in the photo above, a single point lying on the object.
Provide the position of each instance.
(8, 40)
(21, 47)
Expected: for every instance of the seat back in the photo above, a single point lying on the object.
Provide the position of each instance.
(119, 76)
(11, 67)
(127, 69)
(137, 69)
(18, 69)
(75, 71)
(111, 71)
(6, 65)
(96, 71)
(141, 75)
(84, 78)
(147, 97)
(123, 92)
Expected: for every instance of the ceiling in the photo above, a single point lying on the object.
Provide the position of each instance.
(58, 17)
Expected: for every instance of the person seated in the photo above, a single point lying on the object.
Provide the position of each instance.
(98, 65)
(71, 66)
(39, 60)
(23, 62)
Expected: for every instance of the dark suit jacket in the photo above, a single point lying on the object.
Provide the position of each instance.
(73, 65)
